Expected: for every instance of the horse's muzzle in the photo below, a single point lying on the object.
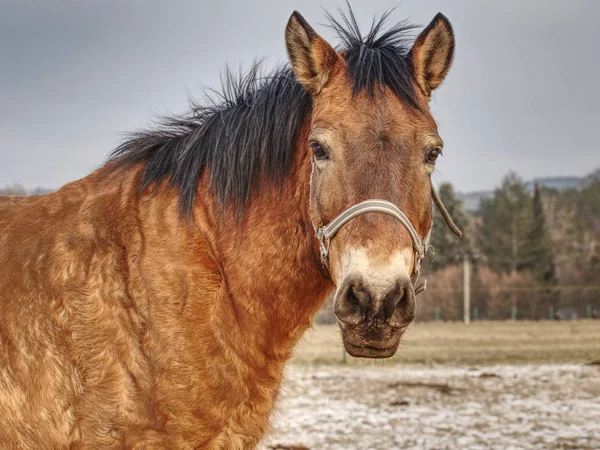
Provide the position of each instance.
(373, 317)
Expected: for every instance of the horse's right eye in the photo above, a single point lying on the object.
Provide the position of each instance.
(433, 155)
(318, 150)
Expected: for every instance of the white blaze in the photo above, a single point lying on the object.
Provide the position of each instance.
(378, 275)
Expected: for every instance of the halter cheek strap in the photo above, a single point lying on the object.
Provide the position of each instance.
(326, 233)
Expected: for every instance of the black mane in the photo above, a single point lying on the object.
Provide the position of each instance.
(250, 129)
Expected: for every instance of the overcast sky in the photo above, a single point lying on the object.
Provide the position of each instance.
(75, 75)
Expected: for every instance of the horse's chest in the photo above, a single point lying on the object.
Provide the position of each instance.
(229, 416)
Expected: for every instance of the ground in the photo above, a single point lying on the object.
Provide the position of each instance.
(495, 385)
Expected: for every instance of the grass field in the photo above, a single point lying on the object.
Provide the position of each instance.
(454, 343)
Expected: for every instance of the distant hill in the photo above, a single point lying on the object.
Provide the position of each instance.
(472, 200)
(558, 183)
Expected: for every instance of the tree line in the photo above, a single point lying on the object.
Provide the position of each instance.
(534, 254)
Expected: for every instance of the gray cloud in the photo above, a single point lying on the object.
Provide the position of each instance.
(75, 75)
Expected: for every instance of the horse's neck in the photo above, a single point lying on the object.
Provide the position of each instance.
(269, 261)
(217, 303)
(256, 282)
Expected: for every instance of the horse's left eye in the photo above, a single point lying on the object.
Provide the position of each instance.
(432, 156)
(318, 150)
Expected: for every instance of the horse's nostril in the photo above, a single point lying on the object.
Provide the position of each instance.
(352, 298)
(352, 302)
(395, 299)
(358, 296)
(406, 306)
(404, 300)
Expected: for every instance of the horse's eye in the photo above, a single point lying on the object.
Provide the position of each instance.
(318, 150)
(432, 156)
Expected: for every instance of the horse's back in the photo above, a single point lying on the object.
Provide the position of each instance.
(47, 247)
(70, 339)
(38, 385)
(11, 208)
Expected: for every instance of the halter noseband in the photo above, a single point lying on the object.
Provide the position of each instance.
(325, 233)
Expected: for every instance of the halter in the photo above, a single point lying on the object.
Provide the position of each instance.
(325, 233)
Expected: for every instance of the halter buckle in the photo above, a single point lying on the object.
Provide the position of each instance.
(323, 246)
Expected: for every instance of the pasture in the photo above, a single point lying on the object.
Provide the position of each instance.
(530, 385)
(482, 342)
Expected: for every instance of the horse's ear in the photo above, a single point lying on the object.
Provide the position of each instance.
(432, 53)
(312, 58)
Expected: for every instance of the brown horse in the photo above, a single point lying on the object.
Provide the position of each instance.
(154, 303)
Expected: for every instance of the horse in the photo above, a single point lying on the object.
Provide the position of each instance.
(154, 303)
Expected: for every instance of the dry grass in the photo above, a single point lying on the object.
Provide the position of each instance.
(478, 343)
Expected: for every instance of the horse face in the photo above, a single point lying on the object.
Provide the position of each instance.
(371, 144)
